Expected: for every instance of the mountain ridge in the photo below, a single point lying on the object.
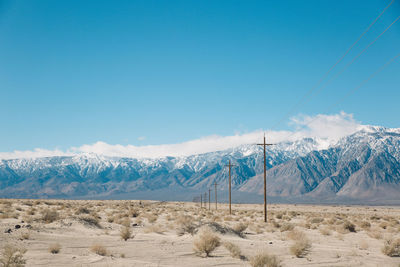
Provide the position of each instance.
(359, 166)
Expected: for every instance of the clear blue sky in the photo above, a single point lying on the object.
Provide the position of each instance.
(76, 72)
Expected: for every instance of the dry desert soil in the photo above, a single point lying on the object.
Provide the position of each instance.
(93, 233)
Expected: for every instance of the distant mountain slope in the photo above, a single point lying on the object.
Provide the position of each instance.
(365, 165)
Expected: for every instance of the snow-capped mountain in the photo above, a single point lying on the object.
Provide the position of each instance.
(364, 165)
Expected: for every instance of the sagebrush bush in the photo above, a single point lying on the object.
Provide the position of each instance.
(301, 248)
(82, 210)
(240, 227)
(25, 235)
(325, 231)
(391, 248)
(296, 235)
(286, 227)
(155, 228)
(263, 259)
(317, 220)
(99, 250)
(349, 226)
(365, 225)
(90, 220)
(49, 216)
(185, 224)
(206, 242)
(125, 233)
(151, 218)
(54, 248)
(12, 256)
(234, 250)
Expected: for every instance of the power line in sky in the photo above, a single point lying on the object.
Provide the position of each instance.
(356, 57)
(310, 91)
(350, 92)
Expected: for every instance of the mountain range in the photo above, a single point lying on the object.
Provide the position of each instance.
(363, 167)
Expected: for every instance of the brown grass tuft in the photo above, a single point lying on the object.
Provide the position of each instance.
(263, 259)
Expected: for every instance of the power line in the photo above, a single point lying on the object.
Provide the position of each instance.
(352, 90)
(310, 91)
(356, 57)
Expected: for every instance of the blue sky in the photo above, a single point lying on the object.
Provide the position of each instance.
(163, 72)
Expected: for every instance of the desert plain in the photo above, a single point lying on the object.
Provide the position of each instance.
(150, 233)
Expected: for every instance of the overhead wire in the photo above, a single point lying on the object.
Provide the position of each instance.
(310, 91)
(357, 56)
(349, 92)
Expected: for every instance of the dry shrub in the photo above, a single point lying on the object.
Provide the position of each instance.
(185, 225)
(365, 225)
(317, 220)
(151, 218)
(49, 216)
(54, 248)
(275, 224)
(90, 220)
(25, 235)
(110, 219)
(234, 250)
(99, 249)
(12, 256)
(82, 210)
(134, 213)
(263, 259)
(302, 244)
(125, 233)
(31, 211)
(296, 235)
(325, 231)
(125, 222)
(331, 221)
(391, 248)
(286, 227)
(375, 233)
(240, 228)
(383, 225)
(206, 242)
(348, 226)
(154, 229)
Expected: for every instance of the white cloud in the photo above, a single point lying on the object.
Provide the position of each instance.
(328, 128)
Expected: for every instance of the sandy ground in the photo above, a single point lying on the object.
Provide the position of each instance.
(159, 237)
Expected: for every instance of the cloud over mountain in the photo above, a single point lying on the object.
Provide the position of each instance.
(326, 128)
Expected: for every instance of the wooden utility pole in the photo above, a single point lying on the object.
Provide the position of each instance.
(201, 201)
(265, 178)
(230, 199)
(205, 200)
(215, 186)
(209, 198)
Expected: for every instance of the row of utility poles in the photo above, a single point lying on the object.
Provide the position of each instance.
(264, 145)
(209, 198)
